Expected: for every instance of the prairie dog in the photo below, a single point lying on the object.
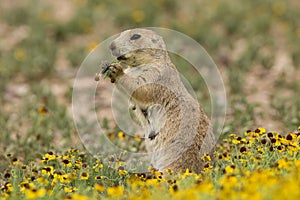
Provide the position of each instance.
(177, 131)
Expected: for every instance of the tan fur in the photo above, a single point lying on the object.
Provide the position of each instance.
(176, 128)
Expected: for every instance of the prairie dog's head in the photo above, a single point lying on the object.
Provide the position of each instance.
(138, 46)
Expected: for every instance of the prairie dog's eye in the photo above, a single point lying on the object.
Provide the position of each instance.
(135, 36)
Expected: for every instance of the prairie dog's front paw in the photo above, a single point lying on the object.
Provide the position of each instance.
(115, 71)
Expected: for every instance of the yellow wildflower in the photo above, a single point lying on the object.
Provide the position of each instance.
(121, 135)
(122, 172)
(15, 161)
(91, 46)
(67, 157)
(84, 176)
(99, 187)
(207, 167)
(138, 16)
(8, 187)
(205, 157)
(67, 163)
(49, 156)
(25, 185)
(19, 54)
(261, 130)
(42, 181)
(35, 193)
(98, 178)
(64, 178)
(137, 138)
(283, 164)
(73, 176)
(78, 197)
(115, 191)
(48, 170)
(229, 169)
(97, 167)
(70, 189)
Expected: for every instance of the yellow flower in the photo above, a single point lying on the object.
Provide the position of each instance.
(119, 163)
(70, 189)
(244, 140)
(283, 164)
(297, 163)
(169, 171)
(206, 158)
(73, 176)
(72, 150)
(48, 170)
(97, 167)
(43, 110)
(64, 178)
(35, 193)
(67, 163)
(261, 130)
(229, 169)
(260, 150)
(69, 156)
(84, 176)
(173, 189)
(207, 167)
(121, 135)
(138, 16)
(228, 181)
(26, 186)
(187, 173)
(54, 182)
(15, 161)
(8, 187)
(91, 46)
(98, 178)
(235, 141)
(42, 181)
(291, 137)
(20, 54)
(115, 191)
(49, 156)
(225, 156)
(185, 194)
(137, 138)
(78, 197)
(248, 133)
(99, 187)
(122, 172)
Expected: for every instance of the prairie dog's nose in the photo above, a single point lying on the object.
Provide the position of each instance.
(112, 46)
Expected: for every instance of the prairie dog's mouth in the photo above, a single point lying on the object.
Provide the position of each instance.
(122, 57)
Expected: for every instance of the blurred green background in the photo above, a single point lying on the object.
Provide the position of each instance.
(255, 44)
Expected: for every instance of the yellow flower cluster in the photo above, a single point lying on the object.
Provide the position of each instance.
(255, 165)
